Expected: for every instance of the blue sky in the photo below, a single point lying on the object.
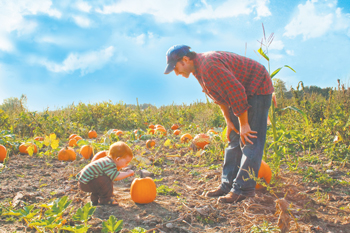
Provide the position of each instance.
(64, 52)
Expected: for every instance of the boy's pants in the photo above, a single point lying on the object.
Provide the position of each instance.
(100, 188)
(239, 158)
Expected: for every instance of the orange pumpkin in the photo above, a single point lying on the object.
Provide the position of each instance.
(186, 138)
(162, 130)
(151, 126)
(201, 140)
(265, 173)
(3, 153)
(119, 133)
(77, 138)
(174, 126)
(150, 143)
(39, 139)
(143, 190)
(92, 134)
(151, 131)
(24, 146)
(66, 154)
(72, 142)
(212, 131)
(72, 136)
(86, 151)
(99, 155)
(160, 126)
(177, 132)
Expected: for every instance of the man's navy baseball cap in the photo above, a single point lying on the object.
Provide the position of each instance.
(173, 55)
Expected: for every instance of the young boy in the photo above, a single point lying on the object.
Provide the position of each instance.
(97, 177)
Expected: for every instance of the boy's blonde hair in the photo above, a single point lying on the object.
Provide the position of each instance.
(119, 149)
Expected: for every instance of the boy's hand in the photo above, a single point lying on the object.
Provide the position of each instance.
(131, 172)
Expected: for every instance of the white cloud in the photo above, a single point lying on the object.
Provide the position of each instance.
(316, 18)
(83, 6)
(277, 45)
(290, 52)
(170, 11)
(82, 21)
(275, 56)
(11, 16)
(140, 40)
(86, 63)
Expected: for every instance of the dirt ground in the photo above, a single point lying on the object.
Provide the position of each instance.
(36, 180)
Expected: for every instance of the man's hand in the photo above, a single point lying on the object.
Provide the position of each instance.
(247, 133)
(230, 127)
(245, 129)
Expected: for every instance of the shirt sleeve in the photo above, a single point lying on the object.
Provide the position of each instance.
(224, 87)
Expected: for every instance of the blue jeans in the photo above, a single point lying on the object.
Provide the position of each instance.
(239, 158)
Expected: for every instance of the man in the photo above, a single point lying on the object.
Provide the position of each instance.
(242, 88)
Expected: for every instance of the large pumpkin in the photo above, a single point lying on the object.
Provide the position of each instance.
(3, 153)
(201, 140)
(99, 155)
(162, 130)
(66, 154)
(265, 173)
(86, 151)
(177, 132)
(92, 134)
(143, 190)
(72, 136)
(72, 142)
(24, 146)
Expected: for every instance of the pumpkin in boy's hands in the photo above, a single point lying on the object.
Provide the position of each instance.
(264, 172)
(99, 155)
(66, 154)
(143, 190)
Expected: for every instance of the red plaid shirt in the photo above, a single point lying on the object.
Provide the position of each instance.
(229, 79)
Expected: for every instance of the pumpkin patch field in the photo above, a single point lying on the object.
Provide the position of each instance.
(303, 184)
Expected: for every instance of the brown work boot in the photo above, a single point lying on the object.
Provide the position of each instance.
(231, 198)
(215, 193)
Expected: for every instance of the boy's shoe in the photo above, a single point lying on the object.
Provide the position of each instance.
(231, 198)
(215, 193)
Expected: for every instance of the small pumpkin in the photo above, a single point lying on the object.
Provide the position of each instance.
(72, 142)
(92, 134)
(72, 136)
(24, 146)
(66, 154)
(86, 151)
(77, 138)
(143, 190)
(119, 133)
(39, 139)
(177, 132)
(265, 173)
(151, 126)
(3, 153)
(150, 143)
(211, 131)
(99, 155)
(151, 131)
(201, 140)
(174, 126)
(162, 130)
(186, 138)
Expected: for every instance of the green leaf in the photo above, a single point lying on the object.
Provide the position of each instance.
(138, 230)
(83, 214)
(76, 228)
(112, 225)
(223, 135)
(263, 54)
(290, 68)
(275, 72)
(299, 111)
(146, 137)
(58, 206)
